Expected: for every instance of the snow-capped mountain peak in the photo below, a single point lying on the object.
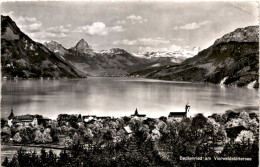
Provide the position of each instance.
(181, 54)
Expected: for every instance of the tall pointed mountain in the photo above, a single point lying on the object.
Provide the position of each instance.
(25, 58)
(232, 60)
(82, 47)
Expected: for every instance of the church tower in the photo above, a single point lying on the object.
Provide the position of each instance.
(11, 116)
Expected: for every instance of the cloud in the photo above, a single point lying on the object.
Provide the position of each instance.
(150, 44)
(145, 49)
(11, 14)
(34, 28)
(44, 35)
(60, 29)
(143, 41)
(28, 24)
(191, 26)
(98, 28)
(125, 42)
(177, 39)
(136, 19)
(22, 19)
(38, 32)
(153, 41)
(162, 49)
(117, 29)
(121, 22)
(174, 48)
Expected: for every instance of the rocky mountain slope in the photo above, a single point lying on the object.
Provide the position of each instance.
(24, 58)
(232, 60)
(56, 47)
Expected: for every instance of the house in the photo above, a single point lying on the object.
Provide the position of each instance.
(67, 117)
(233, 132)
(104, 117)
(137, 115)
(25, 120)
(128, 130)
(180, 114)
(89, 118)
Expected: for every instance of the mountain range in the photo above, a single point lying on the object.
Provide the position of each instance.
(113, 62)
(232, 60)
(175, 56)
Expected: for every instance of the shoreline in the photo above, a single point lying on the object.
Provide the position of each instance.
(127, 76)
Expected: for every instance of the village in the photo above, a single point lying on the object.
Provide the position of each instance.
(44, 125)
(169, 137)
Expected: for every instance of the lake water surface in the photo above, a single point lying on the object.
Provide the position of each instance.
(120, 97)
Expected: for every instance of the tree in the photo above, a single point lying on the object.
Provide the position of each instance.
(88, 136)
(245, 137)
(64, 158)
(198, 123)
(51, 159)
(39, 137)
(3, 122)
(5, 163)
(229, 114)
(108, 135)
(22, 157)
(43, 157)
(17, 138)
(163, 118)
(79, 117)
(13, 162)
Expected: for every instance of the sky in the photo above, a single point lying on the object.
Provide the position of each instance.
(132, 25)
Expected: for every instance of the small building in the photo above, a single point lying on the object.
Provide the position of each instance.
(88, 117)
(136, 114)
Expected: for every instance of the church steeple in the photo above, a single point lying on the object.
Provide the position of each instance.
(136, 112)
(11, 116)
(137, 115)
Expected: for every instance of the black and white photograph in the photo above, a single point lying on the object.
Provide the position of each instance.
(132, 83)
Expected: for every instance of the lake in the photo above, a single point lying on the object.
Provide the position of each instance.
(121, 96)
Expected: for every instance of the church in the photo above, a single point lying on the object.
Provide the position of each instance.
(136, 114)
(26, 120)
(180, 114)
